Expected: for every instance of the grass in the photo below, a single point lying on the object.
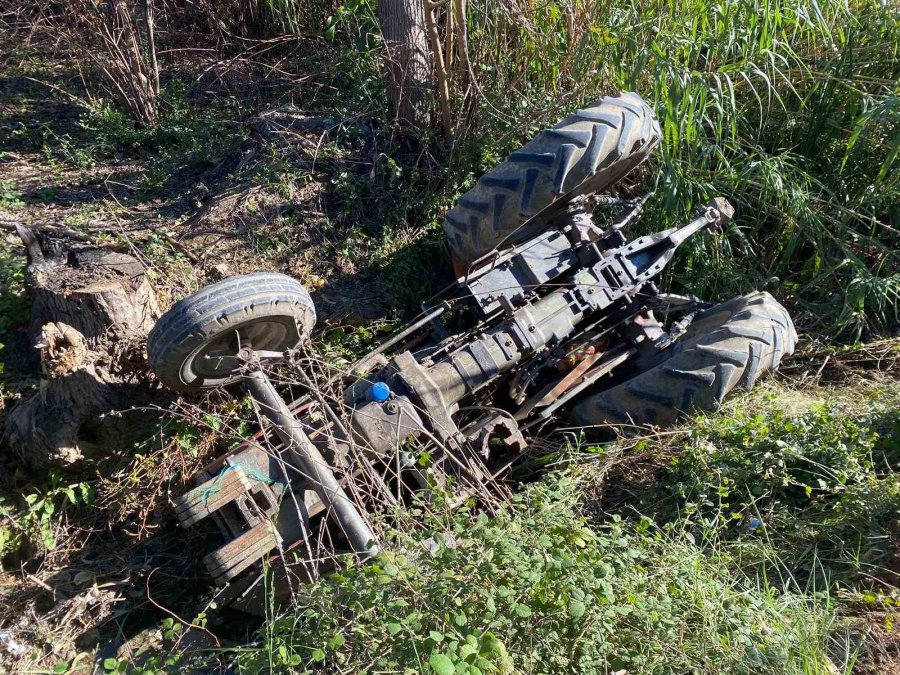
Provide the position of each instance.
(187, 139)
(788, 108)
(10, 200)
(817, 486)
(538, 589)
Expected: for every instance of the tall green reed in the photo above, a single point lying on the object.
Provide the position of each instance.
(788, 107)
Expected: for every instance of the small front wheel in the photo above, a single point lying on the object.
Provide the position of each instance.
(195, 344)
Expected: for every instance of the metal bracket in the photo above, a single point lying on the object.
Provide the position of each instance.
(309, 460)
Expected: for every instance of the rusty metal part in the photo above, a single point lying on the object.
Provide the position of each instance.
(645, 329)
(209, 497)
(554, 390)
(574, 358)
(498, 426)
(256, 470)
(613, 358)
(227, 562)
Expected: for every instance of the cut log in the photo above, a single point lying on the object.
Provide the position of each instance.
(92, 291)
(91, 313)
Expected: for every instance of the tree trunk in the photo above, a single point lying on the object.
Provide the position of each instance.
(91, 313)
(409, 62)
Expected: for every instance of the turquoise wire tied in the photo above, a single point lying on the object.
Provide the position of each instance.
(216, 485)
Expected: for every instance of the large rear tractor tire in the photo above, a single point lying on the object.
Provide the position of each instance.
(195, 344)
(727, 347)
(584, 153)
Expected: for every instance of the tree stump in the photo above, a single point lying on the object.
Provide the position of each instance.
(91, 313)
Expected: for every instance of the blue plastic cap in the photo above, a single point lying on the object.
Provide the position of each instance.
(379, 392)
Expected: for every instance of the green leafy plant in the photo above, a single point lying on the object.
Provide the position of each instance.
(537, 590)
(345, 343)
(32, 518)
(15, 307)
(819, 485)
(10, 199)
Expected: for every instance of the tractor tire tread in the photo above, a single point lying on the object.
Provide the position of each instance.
(727, 347)
(586, 152)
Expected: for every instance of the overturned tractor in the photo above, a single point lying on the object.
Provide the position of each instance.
(555, 316)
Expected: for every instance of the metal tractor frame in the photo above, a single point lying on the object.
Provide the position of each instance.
(506, 348)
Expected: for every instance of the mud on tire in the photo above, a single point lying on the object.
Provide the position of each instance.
(269, 311)
(726, 347)
(584, 153)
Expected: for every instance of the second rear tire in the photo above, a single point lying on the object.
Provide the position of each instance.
(729, 346)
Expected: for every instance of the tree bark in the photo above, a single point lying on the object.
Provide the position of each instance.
(409, 62)
(91, 313)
